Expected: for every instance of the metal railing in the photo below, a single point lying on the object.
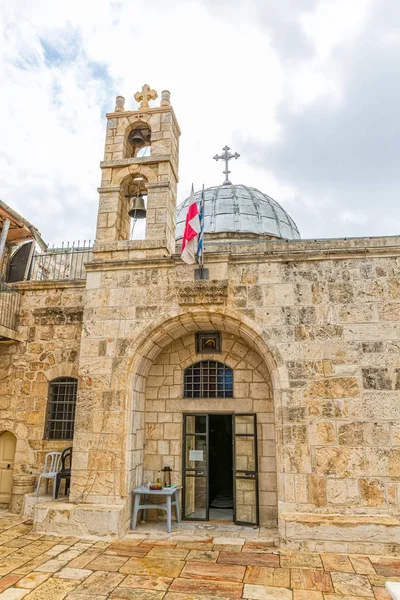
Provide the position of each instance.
(9, 306)
(65, 262)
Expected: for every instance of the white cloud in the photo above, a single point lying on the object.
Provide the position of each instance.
(229, 67)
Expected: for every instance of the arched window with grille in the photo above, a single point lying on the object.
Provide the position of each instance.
(61, 404)
(208, 379)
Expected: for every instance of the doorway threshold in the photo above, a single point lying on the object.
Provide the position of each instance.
(217, 532)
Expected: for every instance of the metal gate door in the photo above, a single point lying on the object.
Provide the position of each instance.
(245, 477)
(195, 467)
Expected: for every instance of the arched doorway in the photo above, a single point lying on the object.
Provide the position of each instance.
(7, 455)
(160, 407)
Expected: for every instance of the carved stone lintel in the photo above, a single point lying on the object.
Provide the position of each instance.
(203, 292)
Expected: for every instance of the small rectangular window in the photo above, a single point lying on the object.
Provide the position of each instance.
(60, 418)
(208, 342)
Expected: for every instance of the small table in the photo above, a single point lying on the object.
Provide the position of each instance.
(169, 493)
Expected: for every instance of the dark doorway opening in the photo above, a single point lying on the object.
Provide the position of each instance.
(220, 467)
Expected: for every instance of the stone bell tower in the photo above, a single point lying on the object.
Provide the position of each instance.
(140, 160)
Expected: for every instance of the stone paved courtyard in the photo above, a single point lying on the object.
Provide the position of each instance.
(193, 563)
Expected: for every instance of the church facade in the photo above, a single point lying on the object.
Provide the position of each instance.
(269, 383)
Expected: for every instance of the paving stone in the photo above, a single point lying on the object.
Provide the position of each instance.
(52, 566)
(126, 594)
(6, 550)
(227, 547)
(337, 562)
(58, 549)
(156, 542)
(201, 570)
(380, 593)
(107, 562)
(70, 554)
(126, 548)
(307, 595)
(301, 559)
(223, 589)
(31, 565)
(101, 544)
(267, 576)
(181, 596)
(84, 559)
(71, 540)
(33, 580)
(168, 553)
(227, 540)
(380, 580)
(386, 566)
(196, 545)
(249, 558)
(362, 565)
(153, 566)
(258, 546)
(264, 592)
(137, 551)
(202, 556)
(77, 574)
(100, 582)
(8, 581)
(310, 579)
(351, 584)
(85, 596)
(52, 589)
(19, 543)
(147, 582)
(342, 597)
(13, 594)
(82, 545)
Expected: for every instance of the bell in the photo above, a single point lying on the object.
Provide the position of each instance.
(137, 209)
(136, 138)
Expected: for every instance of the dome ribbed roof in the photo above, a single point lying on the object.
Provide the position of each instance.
(240, 209)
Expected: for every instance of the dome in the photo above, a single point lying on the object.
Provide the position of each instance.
(237, 210)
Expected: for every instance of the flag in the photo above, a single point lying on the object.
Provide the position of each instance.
(192, 229)
(200, 246)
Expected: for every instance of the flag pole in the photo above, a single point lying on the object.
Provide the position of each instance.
(201, 236)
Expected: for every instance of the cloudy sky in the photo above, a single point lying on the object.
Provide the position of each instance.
(307, 91)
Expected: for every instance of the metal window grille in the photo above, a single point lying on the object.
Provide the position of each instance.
(61, 409)
(208, 379)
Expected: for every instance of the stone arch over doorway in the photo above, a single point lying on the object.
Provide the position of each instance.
(244, 347)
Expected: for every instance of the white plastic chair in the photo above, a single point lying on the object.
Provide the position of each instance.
(393, 589)
(52, 464)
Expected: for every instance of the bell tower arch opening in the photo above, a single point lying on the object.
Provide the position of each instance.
(134, 199)
(142, 142)
(138, 141)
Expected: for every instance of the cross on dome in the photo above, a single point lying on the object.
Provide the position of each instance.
(226, 156)
(145, 95)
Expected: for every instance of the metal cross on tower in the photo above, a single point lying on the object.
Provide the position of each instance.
(226, 156)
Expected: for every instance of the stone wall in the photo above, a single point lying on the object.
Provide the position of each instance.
(50, 323)
(324, 318)
(333, 327)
